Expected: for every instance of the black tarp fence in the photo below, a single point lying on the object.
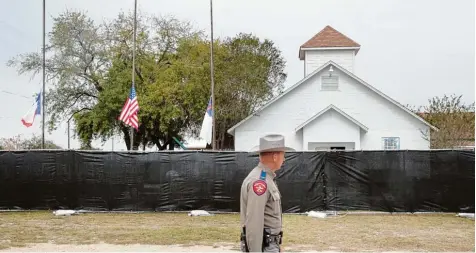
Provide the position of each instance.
(390, 181)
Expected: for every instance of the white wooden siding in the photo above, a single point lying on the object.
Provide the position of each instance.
(381, 117)
(316, 58)
(331, 127)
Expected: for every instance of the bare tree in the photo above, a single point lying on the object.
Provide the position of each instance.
(19, 143)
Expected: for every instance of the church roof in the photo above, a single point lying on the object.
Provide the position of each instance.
(328, 37)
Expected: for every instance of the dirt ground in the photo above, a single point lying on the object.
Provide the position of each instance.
(102, 247)
(47, 247)
(177, 232)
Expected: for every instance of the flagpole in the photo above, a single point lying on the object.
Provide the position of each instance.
(214, 111)
(43, 91)
(134, 63)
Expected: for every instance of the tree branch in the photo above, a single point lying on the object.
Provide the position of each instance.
(78, 111)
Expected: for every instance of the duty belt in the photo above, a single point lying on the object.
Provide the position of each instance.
(278, 239)
(268, 238)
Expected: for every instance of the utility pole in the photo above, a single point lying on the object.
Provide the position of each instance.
(43, 91)
(68, 133)
(214, 111)
(112, 138)
(134, 63)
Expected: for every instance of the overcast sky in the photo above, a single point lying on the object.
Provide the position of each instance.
(410, 50)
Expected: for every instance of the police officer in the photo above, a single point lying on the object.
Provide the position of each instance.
(260, 202)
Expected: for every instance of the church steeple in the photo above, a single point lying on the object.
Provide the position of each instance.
(328, 44)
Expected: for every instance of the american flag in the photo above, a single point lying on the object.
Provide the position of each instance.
(130, 109)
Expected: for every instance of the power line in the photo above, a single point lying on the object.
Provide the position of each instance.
(15, 32)
(15, 94)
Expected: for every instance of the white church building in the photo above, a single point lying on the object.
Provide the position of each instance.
(333, 109)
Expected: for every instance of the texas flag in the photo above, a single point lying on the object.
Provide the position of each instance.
(206, 131)
(29, 117)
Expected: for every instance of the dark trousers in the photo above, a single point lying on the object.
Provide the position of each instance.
(272, 247)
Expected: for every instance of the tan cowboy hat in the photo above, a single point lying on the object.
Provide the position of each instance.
(271, 143)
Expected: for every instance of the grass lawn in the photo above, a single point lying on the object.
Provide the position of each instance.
(346, 233)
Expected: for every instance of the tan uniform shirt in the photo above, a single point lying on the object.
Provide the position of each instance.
(260, 206)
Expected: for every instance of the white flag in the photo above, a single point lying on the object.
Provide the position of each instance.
(206, 131)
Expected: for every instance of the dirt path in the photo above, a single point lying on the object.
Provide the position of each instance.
(102, 247)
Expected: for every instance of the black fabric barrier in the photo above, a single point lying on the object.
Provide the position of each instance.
(392, 181)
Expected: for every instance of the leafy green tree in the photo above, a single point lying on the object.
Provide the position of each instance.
(77, 60)
(172, 97)
(161, 113)
(89, 66)
(454, 119)
(80, 55)
(248, 74)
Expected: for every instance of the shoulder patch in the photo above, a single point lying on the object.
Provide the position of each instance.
(260, 187)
